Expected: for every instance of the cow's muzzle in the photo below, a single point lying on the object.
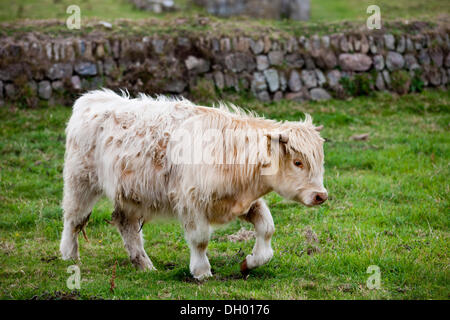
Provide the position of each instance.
(319, 198)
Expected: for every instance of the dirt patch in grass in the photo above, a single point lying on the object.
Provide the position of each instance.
(49, 259)
(61, 295)
(242, 235)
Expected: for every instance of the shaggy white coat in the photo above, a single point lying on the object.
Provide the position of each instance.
(123, 148)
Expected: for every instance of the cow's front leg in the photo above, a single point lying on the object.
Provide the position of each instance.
(259, 215)
(131, 232)
(197, 235)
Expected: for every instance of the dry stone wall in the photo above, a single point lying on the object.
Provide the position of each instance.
(294, 68)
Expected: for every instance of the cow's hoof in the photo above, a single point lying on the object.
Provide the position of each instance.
(244, 269)
(143, 263)
(69, 254)
(203, 276)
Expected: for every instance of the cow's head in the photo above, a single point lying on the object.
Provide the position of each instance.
(300, 173)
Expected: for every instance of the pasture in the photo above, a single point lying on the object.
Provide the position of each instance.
(322, 11)
(388, 206)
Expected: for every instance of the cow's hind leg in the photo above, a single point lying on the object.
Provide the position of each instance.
(78, 202)
(197, 235)
(259, 215)
(130, 229)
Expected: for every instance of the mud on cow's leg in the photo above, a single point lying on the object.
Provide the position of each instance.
(197, 235)
(259, 215)
(69, 242)
(131, 231)
(77, 205)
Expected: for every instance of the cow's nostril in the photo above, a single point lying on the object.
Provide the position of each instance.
(320, 197)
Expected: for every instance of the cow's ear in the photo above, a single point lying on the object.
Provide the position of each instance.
(319, 128)
(282, 137)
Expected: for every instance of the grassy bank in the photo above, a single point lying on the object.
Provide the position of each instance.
(389, 205)
(321, 10)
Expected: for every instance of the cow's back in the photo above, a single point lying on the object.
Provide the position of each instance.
(123, 142)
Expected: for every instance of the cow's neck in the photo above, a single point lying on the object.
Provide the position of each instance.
(244, 199)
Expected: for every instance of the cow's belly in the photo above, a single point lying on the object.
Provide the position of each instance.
(226, 209)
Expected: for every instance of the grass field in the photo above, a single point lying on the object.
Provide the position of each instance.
(389, 206)
(321, 10)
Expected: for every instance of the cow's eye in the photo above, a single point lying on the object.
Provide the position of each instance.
(298, 163)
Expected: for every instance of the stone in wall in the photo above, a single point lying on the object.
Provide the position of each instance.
(309, 63)
(263, 96)
(276, 58)
(262, 62)
(86, 68)
(283, 81)
(175, 86)
(278, 96)
(433, 75)
(272, 79)
(295, 60)
(258, 83)
(379, 82)
(13, 71)
(437, 57)
(401, 45)
(319, 94)
(333, 77)
(10, 91)
(321, 80)
(411, 62)
(237, 62)
(309, 78)
(387, 78)
(58, 85)
(219, 79)
(257, 46)
(301, 96)
(424, 58)
(60, 71)
(328, 60)
(378, 62)
(295, 83)
(45, 90)
(394, 61)
(355, 62)
(158, 45)
(197, 65)
(75, 82)
(444, 77)
(389, 41)
(447, 61)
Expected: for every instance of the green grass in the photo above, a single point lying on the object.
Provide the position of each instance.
(389, 206)
(335, 10)
(321, 10)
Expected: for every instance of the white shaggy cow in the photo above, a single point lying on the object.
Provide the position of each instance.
(169, 157)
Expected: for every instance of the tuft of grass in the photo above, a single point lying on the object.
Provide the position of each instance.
(388, 206)
(361, 84)
(401, 81)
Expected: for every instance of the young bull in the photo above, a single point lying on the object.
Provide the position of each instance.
(204, 166)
